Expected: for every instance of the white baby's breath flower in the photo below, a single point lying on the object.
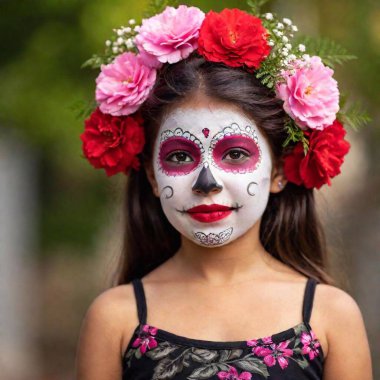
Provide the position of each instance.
(280, 25)
(292, 57)
(108, 43)
(294, 28)
(287, 21)
(120, 41)
(120, 32)
(289, 46)
(115, 49)
(277, 33)
(127, 30)
(285, 39)
(284, 52)
(271, 43)
(137, 28)
(129, 43)
(301, 47)
(132, 21)
(306, 57)
(269, 16)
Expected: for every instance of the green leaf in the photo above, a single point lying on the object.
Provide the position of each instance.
(303, 363)
(82, 109)
(330, 52)
(158, 6)
(95, 62)
(256, 5)
(254, 365)
(354, 116)
(295, 135)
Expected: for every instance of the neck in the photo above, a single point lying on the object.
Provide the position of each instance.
(241, 260)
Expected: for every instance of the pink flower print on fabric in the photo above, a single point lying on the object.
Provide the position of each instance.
(310, 344)
(261, 347)
(146, 339)
(271, 352)
(123, 85)
(169, 36)
(310, 94)
(233, 374)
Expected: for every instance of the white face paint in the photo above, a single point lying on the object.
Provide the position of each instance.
(213, 169)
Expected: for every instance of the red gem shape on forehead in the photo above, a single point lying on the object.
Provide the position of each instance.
(205, 132)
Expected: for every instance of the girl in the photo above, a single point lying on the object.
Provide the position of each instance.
(224, 270)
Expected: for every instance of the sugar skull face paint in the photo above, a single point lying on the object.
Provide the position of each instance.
(213, 169)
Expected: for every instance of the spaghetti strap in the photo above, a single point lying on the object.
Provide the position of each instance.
(140, 300)
(308, 299)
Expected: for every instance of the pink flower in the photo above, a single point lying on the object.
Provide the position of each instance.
(310, 344)
(146, 339)
(272, 352)
(233, 374)
(169, 36)
(261, 347)
(310, 94)
(123, 85)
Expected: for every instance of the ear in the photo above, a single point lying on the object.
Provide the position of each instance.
(278, 179)
(152, 179)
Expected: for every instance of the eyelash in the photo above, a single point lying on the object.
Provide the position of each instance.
(171, 155)
(242, 151)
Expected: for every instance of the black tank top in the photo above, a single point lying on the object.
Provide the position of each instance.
(293, 354)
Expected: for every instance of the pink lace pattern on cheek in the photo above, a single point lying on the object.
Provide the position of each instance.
(237, 142)
(180, 145)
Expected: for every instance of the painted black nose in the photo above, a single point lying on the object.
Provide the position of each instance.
(206, 183)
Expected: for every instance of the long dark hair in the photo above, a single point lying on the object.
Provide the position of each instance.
(290, 229)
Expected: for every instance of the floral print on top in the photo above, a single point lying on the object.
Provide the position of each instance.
(152, 355)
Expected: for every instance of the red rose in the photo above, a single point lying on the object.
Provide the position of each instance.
(324, 158)
(112, 142)
(233, 37)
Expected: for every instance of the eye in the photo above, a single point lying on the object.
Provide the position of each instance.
(236, 156)
(179, 157)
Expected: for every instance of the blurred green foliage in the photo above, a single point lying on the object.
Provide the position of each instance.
(43, 44)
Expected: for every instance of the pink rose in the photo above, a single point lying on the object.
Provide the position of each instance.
(123, 85)
(310, 94)
(169, 36)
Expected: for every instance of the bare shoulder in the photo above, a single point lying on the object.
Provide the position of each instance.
(116, 303)
(348, 349)
(337, 305)
(110, 316)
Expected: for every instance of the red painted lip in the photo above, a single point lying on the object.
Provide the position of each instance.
(209, 213)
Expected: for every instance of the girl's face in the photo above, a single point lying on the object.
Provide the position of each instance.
(212, 167)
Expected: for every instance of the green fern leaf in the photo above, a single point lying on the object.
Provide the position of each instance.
(330, 52)
(295, 135)
(354, 116)
(95, 62)
(82, 109)
(158, 6)
(256, 5)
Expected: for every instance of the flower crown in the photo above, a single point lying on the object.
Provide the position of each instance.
(262, 44)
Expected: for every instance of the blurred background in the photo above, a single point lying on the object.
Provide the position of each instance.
(60, 219)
